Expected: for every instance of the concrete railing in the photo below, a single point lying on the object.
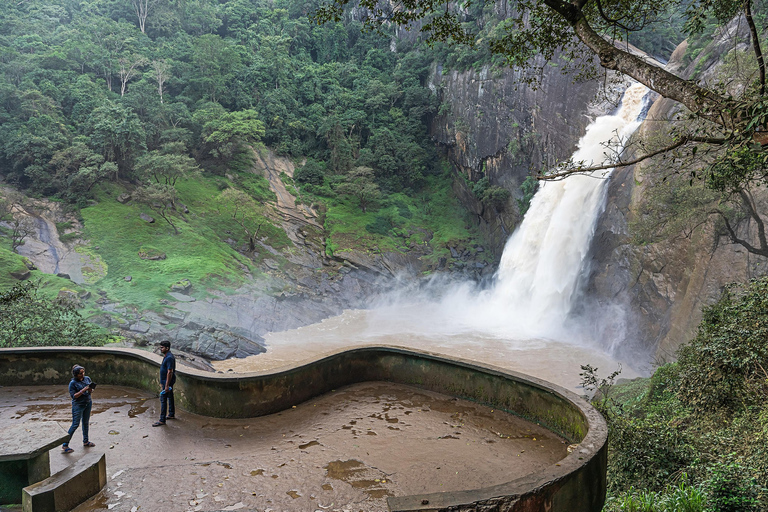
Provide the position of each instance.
(574, 484)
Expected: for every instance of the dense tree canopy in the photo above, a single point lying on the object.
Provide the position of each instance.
(97, 91)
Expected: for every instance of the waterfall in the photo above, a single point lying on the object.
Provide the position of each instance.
(540, 270)
(544, 258)
(543, 261)
(524, 321)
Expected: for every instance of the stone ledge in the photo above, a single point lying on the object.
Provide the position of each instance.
(69, 487)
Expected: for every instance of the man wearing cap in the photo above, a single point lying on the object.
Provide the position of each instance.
(167, 380)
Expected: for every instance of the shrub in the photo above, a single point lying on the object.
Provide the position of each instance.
(724, 365)
(732, 489)
(312, 172)
(29, 320)
(380, 226)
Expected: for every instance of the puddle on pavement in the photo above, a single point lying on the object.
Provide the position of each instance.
(138, 408)
(359, 476)
(351, 448)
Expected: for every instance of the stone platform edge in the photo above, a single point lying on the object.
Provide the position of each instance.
(575, 484)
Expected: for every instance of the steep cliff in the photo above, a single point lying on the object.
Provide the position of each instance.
(660, 285)
(492, 125)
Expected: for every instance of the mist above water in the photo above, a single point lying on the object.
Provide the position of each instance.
(524, 321)
(543, 261)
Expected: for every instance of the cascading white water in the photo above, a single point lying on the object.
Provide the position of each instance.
(542, 261)
(544, 257)
(521, 322)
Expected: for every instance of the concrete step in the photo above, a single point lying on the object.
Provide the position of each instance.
(69, 487)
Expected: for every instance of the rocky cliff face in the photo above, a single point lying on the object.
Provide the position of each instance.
(492, 125)
(641, 300)
(661, 287)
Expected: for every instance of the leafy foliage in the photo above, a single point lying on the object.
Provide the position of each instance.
(27, 319)
(493, 196)
(359, 184)
(701, 420)
(724, 366)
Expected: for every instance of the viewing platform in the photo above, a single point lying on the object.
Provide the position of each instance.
(375, 428)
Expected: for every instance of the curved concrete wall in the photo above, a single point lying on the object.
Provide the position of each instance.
(575, 484)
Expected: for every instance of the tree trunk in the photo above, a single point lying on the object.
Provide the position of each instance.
(703, 102)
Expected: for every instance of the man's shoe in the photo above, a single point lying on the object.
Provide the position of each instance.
(158, 424)
(170, 417)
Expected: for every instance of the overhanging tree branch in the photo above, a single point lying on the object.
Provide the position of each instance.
(612, 165)
(755, 44)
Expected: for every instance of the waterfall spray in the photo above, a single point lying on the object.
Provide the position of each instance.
(545, 257)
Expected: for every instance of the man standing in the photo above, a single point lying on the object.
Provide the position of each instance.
(167, 380)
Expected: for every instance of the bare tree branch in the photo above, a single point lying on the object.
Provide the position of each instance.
(619, 163)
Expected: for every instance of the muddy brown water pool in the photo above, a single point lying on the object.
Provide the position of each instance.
(344, 451)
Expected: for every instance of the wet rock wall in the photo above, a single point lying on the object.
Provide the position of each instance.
(493, 125)
(661, 287)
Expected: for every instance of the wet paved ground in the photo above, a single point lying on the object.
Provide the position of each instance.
(345, 451)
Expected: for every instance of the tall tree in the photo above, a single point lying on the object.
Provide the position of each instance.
(215, 63)
(359, 184)
(117, 133)
(162, 72)
(232, 130)
(165, 166)
(161, 199)
(129, 68)
(142, 9)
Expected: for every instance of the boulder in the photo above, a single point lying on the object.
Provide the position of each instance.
(123, 198)
(146, 218)
(140, 327)
(183, 286)
(21, 275)
(69, 296)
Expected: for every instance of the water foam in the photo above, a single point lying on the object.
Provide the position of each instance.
(543, 261)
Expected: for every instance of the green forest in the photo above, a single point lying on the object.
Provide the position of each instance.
(172, 102)
(87, 87)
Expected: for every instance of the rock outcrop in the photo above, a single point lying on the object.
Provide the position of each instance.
(493, 125)
(662, 286)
